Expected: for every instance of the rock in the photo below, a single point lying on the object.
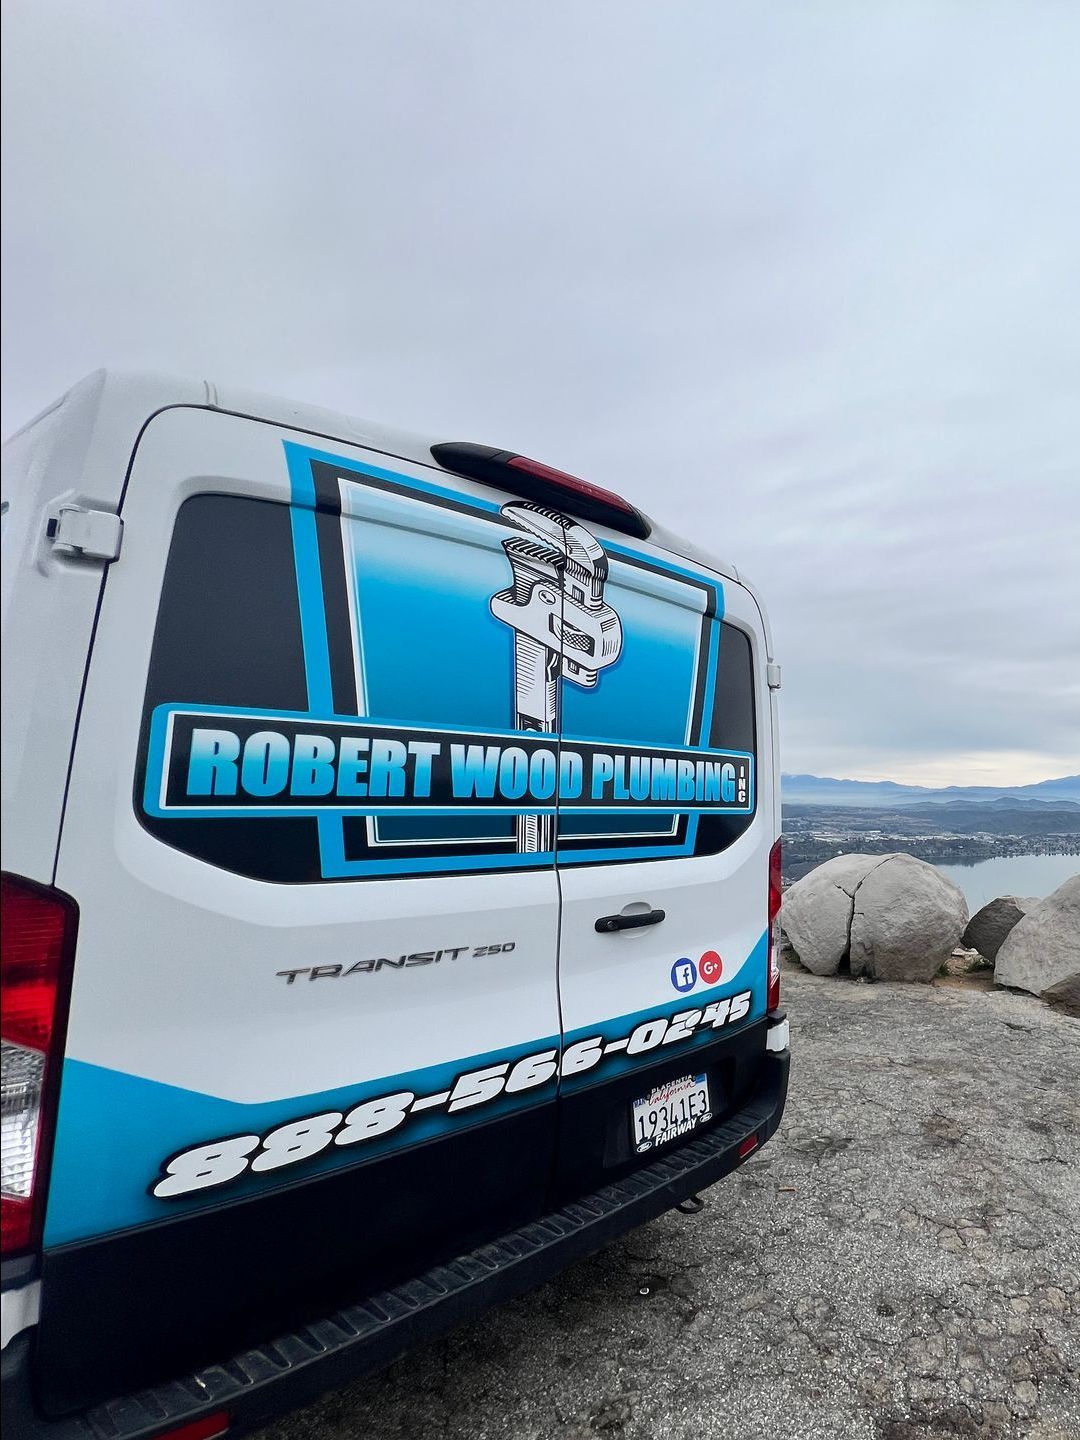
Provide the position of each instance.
(1043, 948)
(1065, 995)
(888, 917)
(987, 928)
(907, 920)
(816, 912)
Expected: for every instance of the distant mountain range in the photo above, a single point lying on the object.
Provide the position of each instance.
(823, 790)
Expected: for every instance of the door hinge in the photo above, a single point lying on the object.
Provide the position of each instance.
(88, 534)
(772, 675)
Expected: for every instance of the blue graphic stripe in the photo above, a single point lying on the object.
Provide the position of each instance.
(709, 699)
(101, 1178)
(336, 865)
(312, 603)
(115, 1130)
(309, 583)
(327, 717)
(714, 588)
(306, 456)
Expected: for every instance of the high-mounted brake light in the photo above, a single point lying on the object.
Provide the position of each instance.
(773, 1000)
(37, 932)
(541, 483)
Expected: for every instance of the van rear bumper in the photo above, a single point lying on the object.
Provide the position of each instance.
(326, 1354)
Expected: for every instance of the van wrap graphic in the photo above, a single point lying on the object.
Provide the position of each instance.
(230, 762)
(486, 684)
(161, 1137)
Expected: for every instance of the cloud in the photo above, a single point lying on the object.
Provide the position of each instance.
(803, 282)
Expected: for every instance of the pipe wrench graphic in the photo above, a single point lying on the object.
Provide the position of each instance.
(562, 626)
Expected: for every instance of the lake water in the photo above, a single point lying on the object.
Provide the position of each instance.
(1011, 875)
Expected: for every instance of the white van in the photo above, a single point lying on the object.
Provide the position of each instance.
(390, 884)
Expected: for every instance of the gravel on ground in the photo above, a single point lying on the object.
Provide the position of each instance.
(901, 1262)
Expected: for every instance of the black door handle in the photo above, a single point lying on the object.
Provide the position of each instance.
(607, 923)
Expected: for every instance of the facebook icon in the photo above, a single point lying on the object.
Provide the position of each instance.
(684, 975)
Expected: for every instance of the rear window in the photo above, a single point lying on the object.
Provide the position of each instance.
(228, 635)
(356, 687)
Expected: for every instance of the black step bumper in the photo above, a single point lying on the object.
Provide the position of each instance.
(327, 1354)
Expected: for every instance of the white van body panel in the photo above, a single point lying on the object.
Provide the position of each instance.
(710, 909)
(75, 453)
(156, 923)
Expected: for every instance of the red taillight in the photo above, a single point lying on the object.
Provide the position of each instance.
(773, 1000)
(747, 1146)
(37, 929)
(34, 926)
(206, 1428)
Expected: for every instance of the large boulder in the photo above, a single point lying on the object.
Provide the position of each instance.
(907, 921)
(816, 912)
(987, 928)
(1065, 995)
(888, 917)
(1043, 948)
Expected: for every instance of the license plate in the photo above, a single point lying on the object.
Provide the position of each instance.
(669, 1111)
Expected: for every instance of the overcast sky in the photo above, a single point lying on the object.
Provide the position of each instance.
(801, 280)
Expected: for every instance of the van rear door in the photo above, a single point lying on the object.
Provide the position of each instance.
(314, 1026)
(665, 879)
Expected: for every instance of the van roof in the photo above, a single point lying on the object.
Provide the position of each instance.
(110, 406)
(120, 398)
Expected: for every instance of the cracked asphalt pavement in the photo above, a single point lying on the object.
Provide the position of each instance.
(901, 1262)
